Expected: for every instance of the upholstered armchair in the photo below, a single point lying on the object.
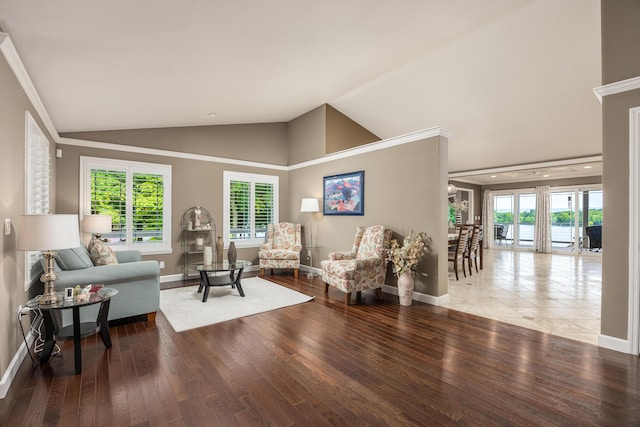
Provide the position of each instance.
(362, 268)
(282, 249)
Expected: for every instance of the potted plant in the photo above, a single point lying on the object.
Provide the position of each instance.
(405, 260)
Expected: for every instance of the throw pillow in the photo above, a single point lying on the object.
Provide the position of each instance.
(73, 258)
(101, 254)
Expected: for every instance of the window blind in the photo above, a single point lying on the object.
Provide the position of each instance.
(250, 205)
(148, 206)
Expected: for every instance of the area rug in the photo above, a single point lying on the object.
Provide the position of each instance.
(184, 309)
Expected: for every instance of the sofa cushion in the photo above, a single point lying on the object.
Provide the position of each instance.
(101, 254)
(73, 258)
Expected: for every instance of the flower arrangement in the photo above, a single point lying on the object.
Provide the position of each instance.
(405, 258)
(462, 205)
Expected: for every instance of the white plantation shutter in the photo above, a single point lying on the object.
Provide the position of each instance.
(148, 207)
(137, 196)
(250, 204)
(37, 181)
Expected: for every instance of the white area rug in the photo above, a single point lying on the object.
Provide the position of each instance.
(184, 309)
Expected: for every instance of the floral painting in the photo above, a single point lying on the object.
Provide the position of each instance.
(344, 194)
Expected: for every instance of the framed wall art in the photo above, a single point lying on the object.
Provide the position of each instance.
(344, 194)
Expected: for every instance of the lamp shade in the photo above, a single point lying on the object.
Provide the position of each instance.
(48, 232)
(96, 224)
(309, 205)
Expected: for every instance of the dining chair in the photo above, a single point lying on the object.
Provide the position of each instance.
(471, 254)
(458, 252)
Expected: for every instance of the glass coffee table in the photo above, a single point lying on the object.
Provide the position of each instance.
(235, 273)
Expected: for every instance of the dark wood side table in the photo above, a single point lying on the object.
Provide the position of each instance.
(77, 330)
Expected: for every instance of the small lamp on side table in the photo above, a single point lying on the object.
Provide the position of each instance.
(310, 206)
(47, 233)
(96, 225)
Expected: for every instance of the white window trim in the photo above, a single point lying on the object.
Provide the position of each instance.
(229, 176)
(88, 163)
(35, 139)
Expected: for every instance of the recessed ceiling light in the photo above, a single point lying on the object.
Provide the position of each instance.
(588, 167)
(211, 114)
(493, 176)
(546, 176)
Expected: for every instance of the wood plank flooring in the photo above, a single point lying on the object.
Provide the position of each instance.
(319, 363)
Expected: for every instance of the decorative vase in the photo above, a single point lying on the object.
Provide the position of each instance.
(231, 253)
(207, 256)
(219, 248)
(405, 288)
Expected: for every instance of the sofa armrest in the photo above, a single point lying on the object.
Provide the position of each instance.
(337, 256)
(266, 247)
(128, 256)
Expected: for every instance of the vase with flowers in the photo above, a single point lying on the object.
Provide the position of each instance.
(405, 260)
(458, 208)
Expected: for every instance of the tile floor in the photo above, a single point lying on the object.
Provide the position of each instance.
(554, 293)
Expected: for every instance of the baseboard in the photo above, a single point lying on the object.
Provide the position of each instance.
(13, 367)
(171, 278)
(314, 270)
(613, 343)
(418, 296)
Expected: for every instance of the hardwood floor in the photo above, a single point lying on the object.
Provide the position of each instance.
(319, 363)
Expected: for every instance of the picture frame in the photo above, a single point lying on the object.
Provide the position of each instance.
(343, 194)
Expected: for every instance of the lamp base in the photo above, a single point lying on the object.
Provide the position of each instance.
(49, 299)
(48, 278)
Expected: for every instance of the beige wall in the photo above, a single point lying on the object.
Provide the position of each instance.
(306, 136)
(343, 133)
(194, 183)
(404, 190)
(620, 41)
(13, 105)
(620, 35)
(265, 142)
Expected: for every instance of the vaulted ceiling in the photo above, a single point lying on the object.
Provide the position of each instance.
(512, 80)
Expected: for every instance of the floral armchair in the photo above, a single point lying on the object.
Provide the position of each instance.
(362, 268)
(282, 249)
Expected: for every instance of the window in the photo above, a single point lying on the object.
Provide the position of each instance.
(37, 173)
(137, 196)
(250, 204)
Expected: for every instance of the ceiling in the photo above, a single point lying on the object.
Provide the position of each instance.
(511, 80)
(552, 171)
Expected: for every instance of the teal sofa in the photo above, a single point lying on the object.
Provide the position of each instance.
(137, 282)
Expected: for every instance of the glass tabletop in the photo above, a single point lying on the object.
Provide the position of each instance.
(94, 297)
(222, 266)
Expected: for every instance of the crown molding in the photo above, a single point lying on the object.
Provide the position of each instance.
(13, 59)
(166, 153)
(374, 146)
(617, 87)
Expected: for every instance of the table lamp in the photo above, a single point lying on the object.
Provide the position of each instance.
(96, 224)
(46, 233)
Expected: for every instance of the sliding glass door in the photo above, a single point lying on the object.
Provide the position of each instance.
(526, 220)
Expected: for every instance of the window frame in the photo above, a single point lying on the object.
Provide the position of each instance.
(130, 167)
(252, 178)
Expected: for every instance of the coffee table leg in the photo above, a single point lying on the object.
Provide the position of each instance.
(205, 278)
(237, 282)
